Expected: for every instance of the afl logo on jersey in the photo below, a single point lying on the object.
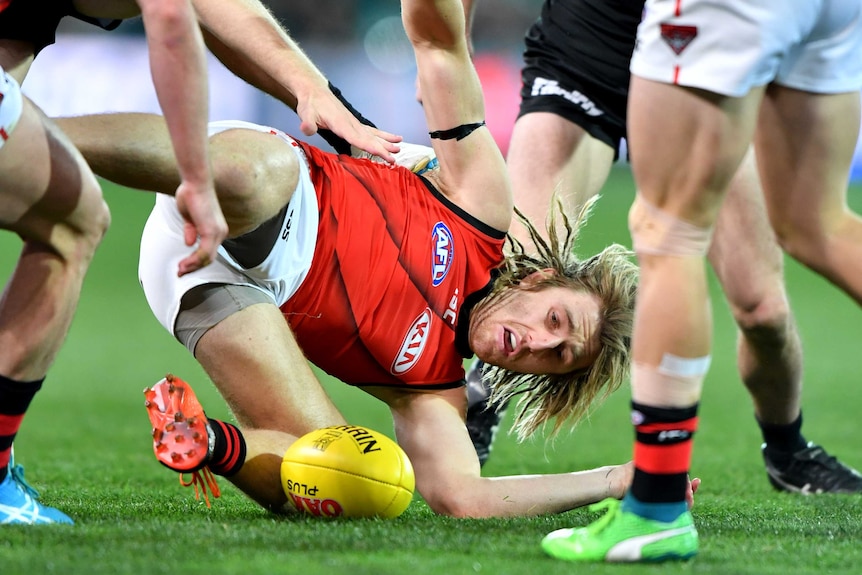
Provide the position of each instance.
(413, 344)
(441, 256)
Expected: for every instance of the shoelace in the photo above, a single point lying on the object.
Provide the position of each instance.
(819, 455)
(201, 479)
(17, 473)
(612, 506)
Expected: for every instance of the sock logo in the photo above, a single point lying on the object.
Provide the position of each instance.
(674, 435)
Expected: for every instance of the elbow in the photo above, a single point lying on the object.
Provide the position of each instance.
(460, 504)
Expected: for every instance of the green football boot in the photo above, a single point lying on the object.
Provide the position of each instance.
(622, 536)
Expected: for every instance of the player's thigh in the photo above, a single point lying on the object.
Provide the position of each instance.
(255, 362)
(744, 252)
(45, 183)
(686, 145)
(805, 145)
(550, 155)
(256, 173)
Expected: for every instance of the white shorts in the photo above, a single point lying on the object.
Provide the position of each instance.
(11, 105)
(279, 275)
(731, 46)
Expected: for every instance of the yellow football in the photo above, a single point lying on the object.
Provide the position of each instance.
(347, 471)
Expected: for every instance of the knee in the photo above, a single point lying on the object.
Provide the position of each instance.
(767, 319)
(98, 222)
(89, 229)
(75, 238)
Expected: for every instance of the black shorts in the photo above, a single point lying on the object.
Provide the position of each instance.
(36, 21)
(576, 64)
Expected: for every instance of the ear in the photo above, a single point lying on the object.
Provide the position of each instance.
(537, 276)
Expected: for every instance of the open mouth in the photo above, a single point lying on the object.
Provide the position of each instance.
(509, 341)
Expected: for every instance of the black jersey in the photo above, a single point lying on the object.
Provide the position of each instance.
(36, 21)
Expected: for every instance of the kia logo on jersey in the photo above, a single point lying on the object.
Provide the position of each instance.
(413, 344)
(441, 255)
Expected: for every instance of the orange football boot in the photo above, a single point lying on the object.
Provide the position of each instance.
(181, 438)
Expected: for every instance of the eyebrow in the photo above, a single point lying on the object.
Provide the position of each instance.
(571, 321)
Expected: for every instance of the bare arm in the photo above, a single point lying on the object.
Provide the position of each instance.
(472, 170)
(469, 16)
(449, 478)
(179, 74)
(244, 35)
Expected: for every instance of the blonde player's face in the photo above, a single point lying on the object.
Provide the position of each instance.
(551, 330)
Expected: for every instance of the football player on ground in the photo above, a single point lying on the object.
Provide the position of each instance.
(385, 279)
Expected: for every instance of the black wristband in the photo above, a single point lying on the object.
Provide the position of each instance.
(458, 133)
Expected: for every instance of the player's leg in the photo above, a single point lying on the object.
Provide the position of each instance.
(247, 349)
(749, 265)
(236, 331)
(255, 362)
(681, 178)
(569, 128)
(51, 200)
(550, 155)
(255, 171)
(805, 145)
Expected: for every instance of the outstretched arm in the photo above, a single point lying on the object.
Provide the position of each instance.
(179, 74)
(449, 479)
(469, 16)
(247, 39)
(472, 169)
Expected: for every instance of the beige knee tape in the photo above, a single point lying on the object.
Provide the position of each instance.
(655, 232)
(677, 382)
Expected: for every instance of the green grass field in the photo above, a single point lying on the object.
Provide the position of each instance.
(86, 446)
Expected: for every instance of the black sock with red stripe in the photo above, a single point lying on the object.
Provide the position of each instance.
(228, 454)
(662, 457)
(15, 398)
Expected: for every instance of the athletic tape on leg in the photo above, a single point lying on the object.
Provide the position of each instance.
(655, 232)
(676, 382)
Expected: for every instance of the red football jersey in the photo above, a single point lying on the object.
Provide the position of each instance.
(393, 263)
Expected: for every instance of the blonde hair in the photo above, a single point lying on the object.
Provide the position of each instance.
(612, 276)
